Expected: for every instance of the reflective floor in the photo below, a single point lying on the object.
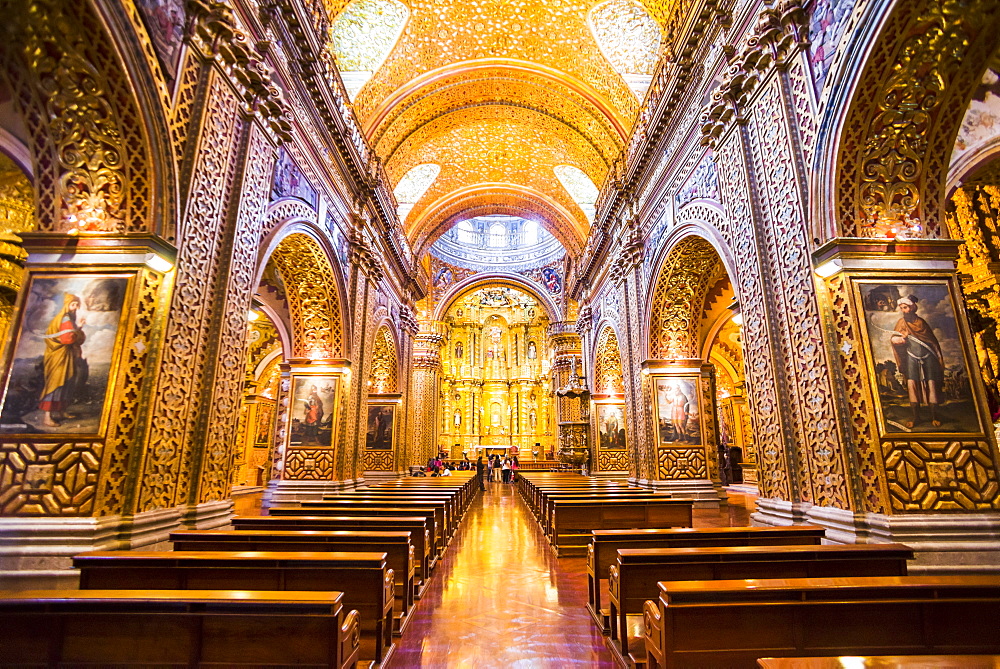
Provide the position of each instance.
(499, 598)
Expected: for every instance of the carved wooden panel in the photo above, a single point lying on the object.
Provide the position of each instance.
(305, 464)
(377, 461)
(165, 478)
(941, 476)
(227, 387)
(761, 374)
(821, 467)
(612, 461)
(681, 463)
(49, 478)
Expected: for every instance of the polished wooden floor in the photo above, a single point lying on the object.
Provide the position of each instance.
(499, 598)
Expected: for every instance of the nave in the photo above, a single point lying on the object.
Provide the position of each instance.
(500, 598)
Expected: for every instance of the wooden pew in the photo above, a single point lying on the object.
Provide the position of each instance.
(605, 544)
(541, 495)
(884, 662)
(574, 520)
(177, 628)
(396, 545)
(369, 508)
(447, 513)
(732, 623)
(416, 525)
(364, 578)
(636, 571)
(548, 511)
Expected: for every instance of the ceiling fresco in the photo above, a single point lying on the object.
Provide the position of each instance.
(497, 94)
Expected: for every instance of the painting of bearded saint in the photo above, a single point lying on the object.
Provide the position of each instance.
(64, 354)
(677, 415)
(380, 427)
(916, 353)
(313, 399)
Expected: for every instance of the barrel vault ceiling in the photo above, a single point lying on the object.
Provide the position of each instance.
(497, 94)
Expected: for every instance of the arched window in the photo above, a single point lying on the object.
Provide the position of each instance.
(465, 232)
(498, 235)
(580, 188)
(630, 39)
(412, 187)
(529, 233)
(363, 36)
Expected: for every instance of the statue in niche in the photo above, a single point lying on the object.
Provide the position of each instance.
(532, 351)
(459, 350)
(458, 418)
(489, 353)
(532, 420)
(495, 415)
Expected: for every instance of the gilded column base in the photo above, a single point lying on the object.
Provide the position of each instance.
(942, 543)
(38, 552)
(706, 494)
(208, 515)
(282, 492)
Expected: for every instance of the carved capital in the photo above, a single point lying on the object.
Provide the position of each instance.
(408, 321)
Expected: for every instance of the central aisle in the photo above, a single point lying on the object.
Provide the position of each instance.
(499, 598)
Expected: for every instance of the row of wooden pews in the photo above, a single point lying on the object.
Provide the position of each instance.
(569, 507)
(726, 597)
(325, 584)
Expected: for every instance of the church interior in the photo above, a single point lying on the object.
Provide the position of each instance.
(635, 333)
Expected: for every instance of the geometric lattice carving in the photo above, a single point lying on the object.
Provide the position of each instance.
(608, 365)
(308, 464)
(48, 478)
(681, 463)
(384, 363)
(941, 476)
(612, 461)
(377, 461)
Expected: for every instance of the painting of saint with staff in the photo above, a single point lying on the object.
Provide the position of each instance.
(920, 369)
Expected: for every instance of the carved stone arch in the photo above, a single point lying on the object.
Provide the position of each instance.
(608, 374)
(384, 375)
(303, 258)
(687, 273)
(698, 226)
(93, 170)
(887, 155)
(465, 286)
(972, 164)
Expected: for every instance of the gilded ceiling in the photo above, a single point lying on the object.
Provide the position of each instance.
(497, 94)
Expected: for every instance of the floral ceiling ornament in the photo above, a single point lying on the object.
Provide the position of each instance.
(630, 39)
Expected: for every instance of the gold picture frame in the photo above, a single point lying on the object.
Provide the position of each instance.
(948, 400)
(69, 389)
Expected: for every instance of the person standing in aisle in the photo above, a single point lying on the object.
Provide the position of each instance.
(496, 468)
(479, 473)
(505, 469)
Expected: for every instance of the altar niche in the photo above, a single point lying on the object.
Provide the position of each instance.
(494, 386)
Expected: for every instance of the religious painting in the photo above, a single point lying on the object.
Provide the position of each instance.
(64, 355)
(265, 425)
(915, 352)
(164, 20)
(381, 424)
(290, 182)
(443, 278)
(678, 419)
(611, 427)
(312, 410)
(552, 280)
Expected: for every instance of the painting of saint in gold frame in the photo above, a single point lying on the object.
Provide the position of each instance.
(611, 427)
(678, 417)
(313, 408)
(914, 349)
(65, 353)
(381, 427)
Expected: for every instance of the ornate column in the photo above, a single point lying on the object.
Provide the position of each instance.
(426, 383)
(408, 327)
(572, 398)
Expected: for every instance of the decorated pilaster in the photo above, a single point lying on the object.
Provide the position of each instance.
(426, 385)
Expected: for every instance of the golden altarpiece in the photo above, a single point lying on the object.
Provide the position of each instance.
(773, 226)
